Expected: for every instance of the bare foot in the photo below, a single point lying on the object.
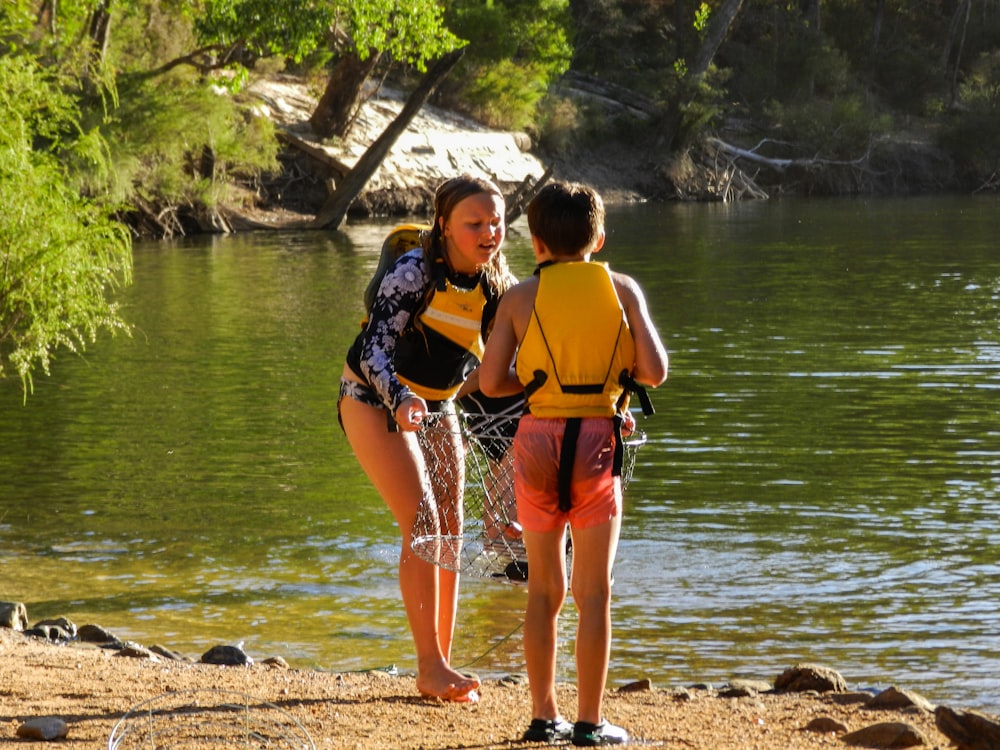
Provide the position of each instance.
(450, 686)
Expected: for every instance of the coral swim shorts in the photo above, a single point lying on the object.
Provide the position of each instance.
(596, 494)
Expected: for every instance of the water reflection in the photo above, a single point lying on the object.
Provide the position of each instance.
(820, 482)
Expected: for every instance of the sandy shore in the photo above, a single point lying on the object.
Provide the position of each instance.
(92, 689)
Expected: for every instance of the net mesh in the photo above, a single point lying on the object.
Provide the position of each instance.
(206, 719)
(475, 532)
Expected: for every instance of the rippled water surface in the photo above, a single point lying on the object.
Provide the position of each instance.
(821, 481)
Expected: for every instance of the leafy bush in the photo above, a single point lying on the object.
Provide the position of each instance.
(840, 128)
(163, 128)
(60, 254)
(516, 50)
(971, 134)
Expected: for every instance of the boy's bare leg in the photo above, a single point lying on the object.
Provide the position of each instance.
(546, 594)
(595, 554)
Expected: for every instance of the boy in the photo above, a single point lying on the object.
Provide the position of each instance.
(572, 337)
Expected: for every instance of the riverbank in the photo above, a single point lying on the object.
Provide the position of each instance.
(436, 145)
(91, 689)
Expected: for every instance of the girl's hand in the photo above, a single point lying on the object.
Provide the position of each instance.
(411, 413)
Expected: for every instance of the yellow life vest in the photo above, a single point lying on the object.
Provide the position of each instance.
(435, 357)
(399, 241)
(577, 345)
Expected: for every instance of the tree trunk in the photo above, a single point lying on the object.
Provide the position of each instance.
(46, 17)
(877, 28)
(672, 131)
(958, 28)
(715, 34)
(334, 210)
(339, 103)
(99, 29)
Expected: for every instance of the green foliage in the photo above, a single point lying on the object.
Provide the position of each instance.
(262, 28)
(557, 122)
(516, 50)
(60, 254)
(632, 43)
(160, 132)
(780, 57)
(146, 35)
(972, 134)
(833, 129)
(411, 32)
(505, 94)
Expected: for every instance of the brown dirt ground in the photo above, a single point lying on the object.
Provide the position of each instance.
(92, 689)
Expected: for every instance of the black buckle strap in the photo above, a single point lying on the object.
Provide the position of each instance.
(626, 381)
(567, 457)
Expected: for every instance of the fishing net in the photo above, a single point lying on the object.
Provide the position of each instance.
(477, 533)
(206, 719)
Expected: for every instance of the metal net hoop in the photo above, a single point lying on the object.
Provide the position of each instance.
(475, 532)
(207, 719)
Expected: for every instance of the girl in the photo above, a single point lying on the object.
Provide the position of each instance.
(422, 338)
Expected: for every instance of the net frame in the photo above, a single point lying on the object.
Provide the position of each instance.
(477, 534)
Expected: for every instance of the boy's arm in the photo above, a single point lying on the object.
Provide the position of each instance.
(651, 361)
(496, 373)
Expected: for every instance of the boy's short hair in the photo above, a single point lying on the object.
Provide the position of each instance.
(567, 216)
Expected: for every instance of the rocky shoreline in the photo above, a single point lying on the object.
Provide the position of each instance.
(60, 681)
(437, 144)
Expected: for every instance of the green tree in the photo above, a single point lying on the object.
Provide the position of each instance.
(517, 49)
(359, 34)
(61, 255)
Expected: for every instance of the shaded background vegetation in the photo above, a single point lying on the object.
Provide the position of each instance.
(131, 114)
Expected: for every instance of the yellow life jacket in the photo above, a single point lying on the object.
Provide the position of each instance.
(578, 345)
(399, 241)
(435, 357)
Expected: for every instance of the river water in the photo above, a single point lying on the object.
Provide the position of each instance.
(821, 481)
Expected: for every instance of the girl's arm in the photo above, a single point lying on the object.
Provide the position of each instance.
(398, 297)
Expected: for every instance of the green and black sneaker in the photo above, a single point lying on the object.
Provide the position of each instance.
(548, 730)
(586, 734)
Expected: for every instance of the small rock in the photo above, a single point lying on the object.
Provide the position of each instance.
(885, 736)
(43, 728)
(52, 633)
(757, 686)
(227, 656)
(805, 677)
(275, 661)
(168, 653)
(97, 634)
(65, 625)
(894, 699)
(13, 615)
(136, 651)
(639, 686)
(825, 725)
(850, 697)
(970, 730)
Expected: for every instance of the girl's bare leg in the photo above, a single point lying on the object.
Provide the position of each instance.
(394, 464)
(445, 459)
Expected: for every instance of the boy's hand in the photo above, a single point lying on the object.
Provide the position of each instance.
(628, 423)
